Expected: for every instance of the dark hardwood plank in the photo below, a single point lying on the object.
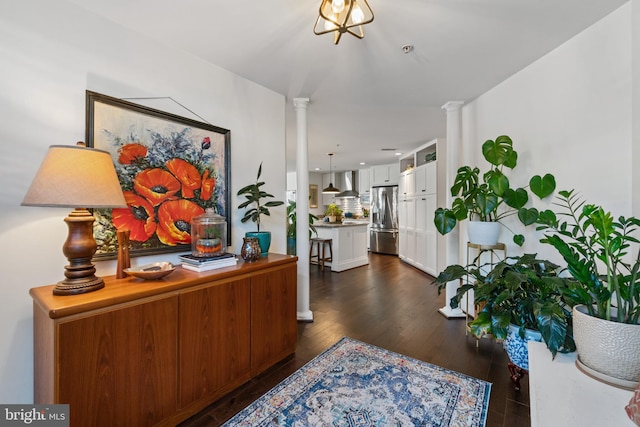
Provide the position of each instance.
(392, 305)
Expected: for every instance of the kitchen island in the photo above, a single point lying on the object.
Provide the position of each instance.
(349, 243)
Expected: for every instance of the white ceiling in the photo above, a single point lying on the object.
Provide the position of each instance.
(366, 94)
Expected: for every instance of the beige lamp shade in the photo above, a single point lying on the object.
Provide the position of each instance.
(76, 176)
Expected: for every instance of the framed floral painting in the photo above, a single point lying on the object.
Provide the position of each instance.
(171, 170)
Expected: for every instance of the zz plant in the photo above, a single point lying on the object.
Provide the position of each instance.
(596, 248)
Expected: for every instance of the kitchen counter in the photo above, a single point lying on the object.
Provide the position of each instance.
(338, 224)
(349, 242)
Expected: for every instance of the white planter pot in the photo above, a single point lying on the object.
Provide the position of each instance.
(483, 233)
(608, 351)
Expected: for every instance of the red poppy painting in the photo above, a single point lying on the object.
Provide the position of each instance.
(170, 168)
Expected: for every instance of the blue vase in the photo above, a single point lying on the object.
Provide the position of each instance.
(517, 348)
(264, 240)
(291, 246)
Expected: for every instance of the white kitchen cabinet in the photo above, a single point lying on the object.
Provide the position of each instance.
(411, 212)
(425, 234)
(421, 250)
(426, 179)
(418, 239)
(349, 244)
(418, 191)
(407, 183)
(364, 181)
(402, 243)
(420, 232)
(420, 181)
(402, 228)
(410, 255)
(385, 174)
(406, 229)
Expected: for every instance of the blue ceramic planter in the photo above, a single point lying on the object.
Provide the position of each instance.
(291, 246)
(264, 240)
(516, 347)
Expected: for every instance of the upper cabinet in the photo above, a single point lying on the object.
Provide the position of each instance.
(426, 179)
(407, 184)
(418, 171)
(364, 181)
(385, 174)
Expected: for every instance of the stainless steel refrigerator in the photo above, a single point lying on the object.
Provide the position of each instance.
(384, 220)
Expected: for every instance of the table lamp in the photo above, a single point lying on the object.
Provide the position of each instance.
(81, 178)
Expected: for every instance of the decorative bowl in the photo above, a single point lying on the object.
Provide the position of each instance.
(151, 271)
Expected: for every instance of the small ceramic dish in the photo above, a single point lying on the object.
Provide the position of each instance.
(151, 271)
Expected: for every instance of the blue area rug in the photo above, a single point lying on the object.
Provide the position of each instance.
(359, 385)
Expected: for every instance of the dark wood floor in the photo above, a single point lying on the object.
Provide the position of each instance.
(391, 305)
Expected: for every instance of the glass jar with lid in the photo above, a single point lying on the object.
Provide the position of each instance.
(208, 234)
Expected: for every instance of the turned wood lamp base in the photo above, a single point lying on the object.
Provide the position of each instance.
(79, 248)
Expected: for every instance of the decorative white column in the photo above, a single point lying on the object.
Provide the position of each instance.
(302, 209)
(452, 239)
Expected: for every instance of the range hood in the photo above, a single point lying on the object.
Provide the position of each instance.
(349, 183)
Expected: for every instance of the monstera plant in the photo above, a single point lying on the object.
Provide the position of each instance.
(489, 197)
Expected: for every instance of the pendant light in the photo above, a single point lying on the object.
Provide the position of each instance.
(330, 189)
(343, 16)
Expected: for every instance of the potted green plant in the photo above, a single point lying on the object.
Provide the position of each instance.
(333, 212)
(518, 296)
(292, 227)
(597, 250)
(256, 207)
(488, 198)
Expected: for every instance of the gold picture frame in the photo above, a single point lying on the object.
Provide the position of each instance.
(190, 161)
(313, 196)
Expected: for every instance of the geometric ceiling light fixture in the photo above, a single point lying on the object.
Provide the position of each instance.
(343, 16)
(330, 189)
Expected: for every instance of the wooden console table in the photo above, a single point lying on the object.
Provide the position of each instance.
(142, 353)
(561, 395)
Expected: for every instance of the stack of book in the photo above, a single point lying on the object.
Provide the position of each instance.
(199, 264)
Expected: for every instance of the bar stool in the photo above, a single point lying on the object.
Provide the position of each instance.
(320, 256)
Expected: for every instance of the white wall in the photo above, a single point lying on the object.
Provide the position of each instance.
(314, 178)
(51, 52)
(635, 109)
(569, 114)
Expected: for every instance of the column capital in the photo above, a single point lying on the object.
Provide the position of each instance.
(453, 106)
(300, 103)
